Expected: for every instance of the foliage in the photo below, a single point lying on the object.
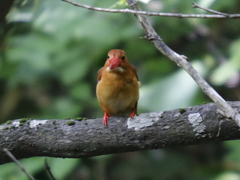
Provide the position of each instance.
(49, 61)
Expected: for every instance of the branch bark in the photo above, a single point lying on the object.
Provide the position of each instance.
(71, 138)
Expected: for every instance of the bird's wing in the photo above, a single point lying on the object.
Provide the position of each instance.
(99, 74)
(134, 71)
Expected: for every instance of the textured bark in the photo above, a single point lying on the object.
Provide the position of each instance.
(86, 138)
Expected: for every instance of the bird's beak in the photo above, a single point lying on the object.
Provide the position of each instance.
(114, 62)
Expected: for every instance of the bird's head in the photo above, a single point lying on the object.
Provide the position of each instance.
(116, 60)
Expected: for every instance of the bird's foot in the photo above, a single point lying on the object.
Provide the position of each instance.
(105, 118)
(132, 113)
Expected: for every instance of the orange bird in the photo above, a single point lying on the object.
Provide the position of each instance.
(117, 87)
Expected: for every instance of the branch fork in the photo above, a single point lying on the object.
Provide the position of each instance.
(224, 108)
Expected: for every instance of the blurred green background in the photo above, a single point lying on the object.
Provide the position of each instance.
(50, 52)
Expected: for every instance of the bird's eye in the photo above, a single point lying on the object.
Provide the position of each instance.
(108, 57)
(123, 58)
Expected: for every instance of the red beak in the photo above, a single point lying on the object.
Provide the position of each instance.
(114, 62)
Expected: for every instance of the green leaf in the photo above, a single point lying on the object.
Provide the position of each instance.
(31, 165)
(223, 73)
(61, 168)
(175, 91)
(228, 176)
(233, 155)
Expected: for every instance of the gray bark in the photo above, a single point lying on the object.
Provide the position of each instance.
(72, 138)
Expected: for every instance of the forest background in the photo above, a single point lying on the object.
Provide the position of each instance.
(50, 53)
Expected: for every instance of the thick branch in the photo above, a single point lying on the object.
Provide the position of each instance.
(87, 138)
(177, 15)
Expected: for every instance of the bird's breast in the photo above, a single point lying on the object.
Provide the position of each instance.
(117, 93)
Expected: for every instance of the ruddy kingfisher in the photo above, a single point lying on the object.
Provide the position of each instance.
(118, 86)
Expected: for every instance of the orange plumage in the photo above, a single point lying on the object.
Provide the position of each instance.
(117, 88)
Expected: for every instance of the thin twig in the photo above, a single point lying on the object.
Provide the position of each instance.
(18, 164)
(48, 169)
(209, 10)
(225, 109)
(220, 59)
(176, 15)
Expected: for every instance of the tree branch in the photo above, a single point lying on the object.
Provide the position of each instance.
(209, 10)
(86, 138)
(18, 164)
(47, 167)
(224, 108)
(177, 15)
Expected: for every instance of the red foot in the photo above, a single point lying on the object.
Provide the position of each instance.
(132, 113)
(105, 118)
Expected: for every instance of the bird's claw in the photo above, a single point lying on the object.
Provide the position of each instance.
(132, 114)
(105, 118)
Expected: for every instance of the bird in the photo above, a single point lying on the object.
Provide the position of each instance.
(117, 88)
